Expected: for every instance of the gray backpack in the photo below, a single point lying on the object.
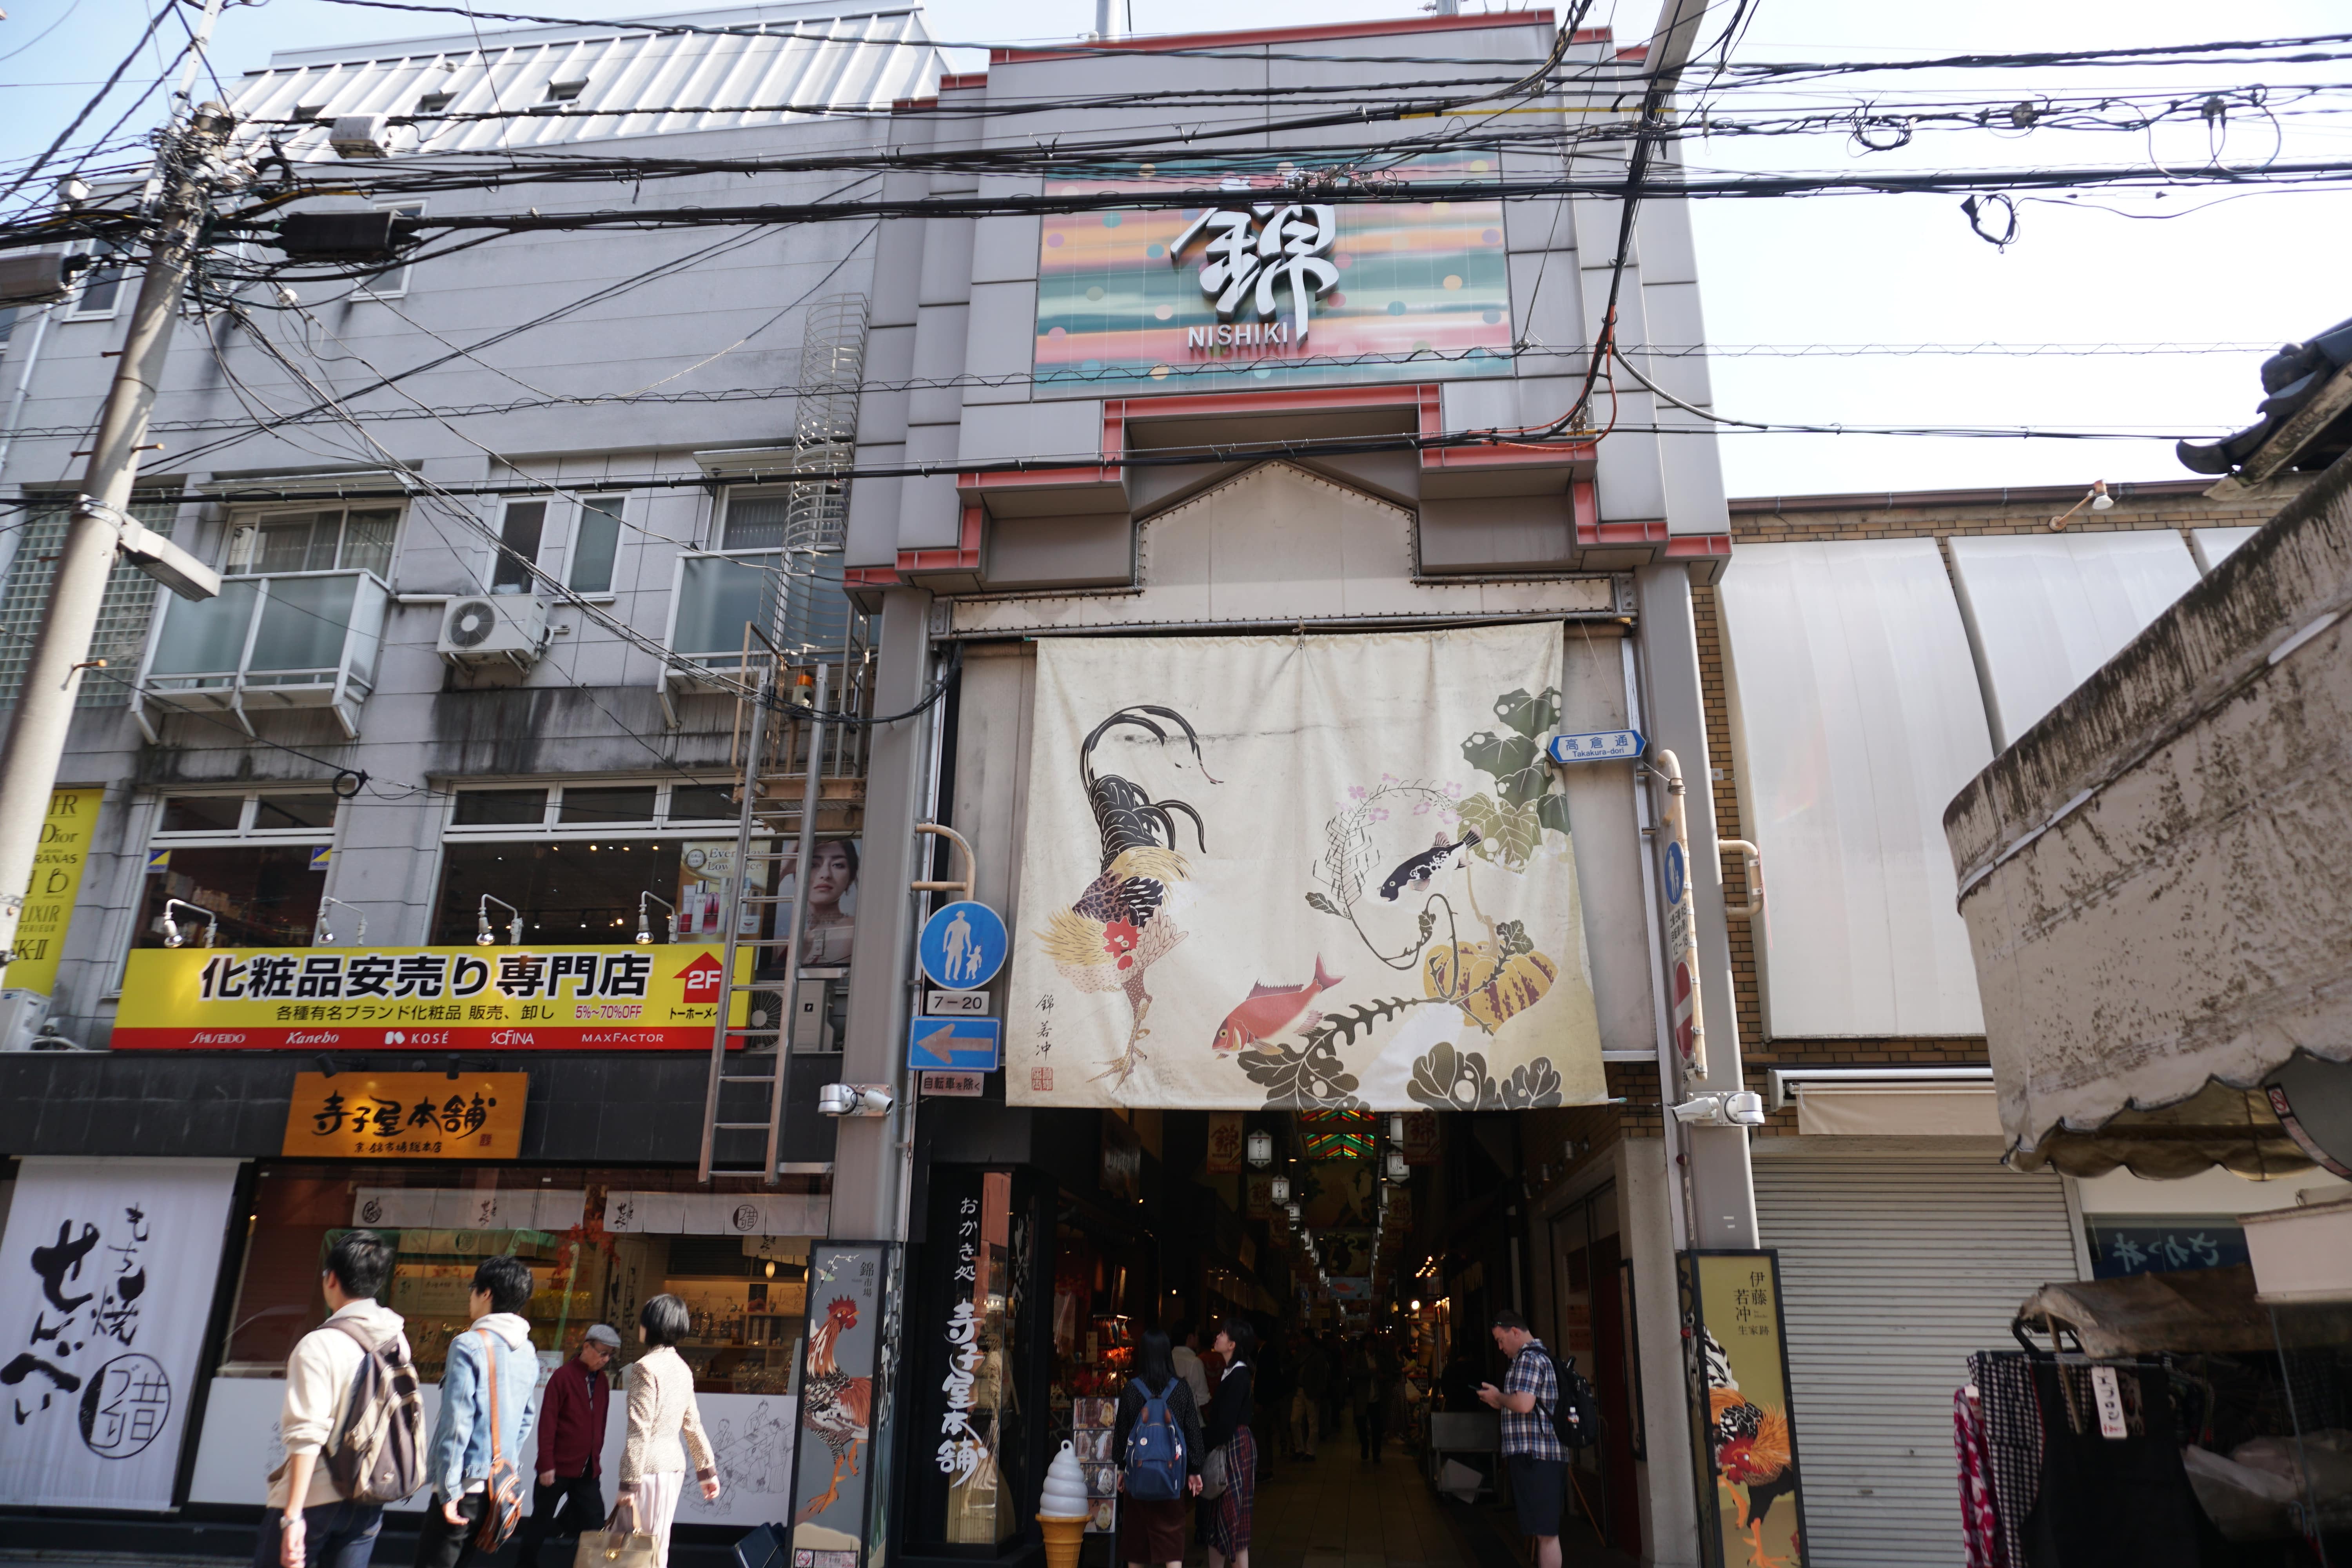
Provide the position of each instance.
(377, 1454)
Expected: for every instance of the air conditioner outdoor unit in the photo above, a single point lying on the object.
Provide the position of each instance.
(482, 628)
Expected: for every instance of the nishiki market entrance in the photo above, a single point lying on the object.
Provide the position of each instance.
(1366, 1251)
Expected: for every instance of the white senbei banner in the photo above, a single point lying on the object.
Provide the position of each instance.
(106, 1279)
(1327, 872)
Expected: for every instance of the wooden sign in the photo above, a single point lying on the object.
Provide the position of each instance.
(406, 1116)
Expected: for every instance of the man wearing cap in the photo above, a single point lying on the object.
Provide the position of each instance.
(572, 1420)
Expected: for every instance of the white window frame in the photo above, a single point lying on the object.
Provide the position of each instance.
(550, 826)
(570, 557)
(244, 833)
(74, 311)
(254, 517)
(245, 830)
(394, 285)
(496, 555)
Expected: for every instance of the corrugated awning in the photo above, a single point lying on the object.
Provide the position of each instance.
(2217, 1125)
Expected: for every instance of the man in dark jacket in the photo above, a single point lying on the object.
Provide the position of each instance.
(572, 1423)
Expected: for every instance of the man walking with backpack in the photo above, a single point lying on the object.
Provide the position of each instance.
(1531, 1448)
(320, 1513)
(475, 1464)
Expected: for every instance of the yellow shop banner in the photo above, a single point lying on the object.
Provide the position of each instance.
(406, 1115)
(56, 884)
(658, 998)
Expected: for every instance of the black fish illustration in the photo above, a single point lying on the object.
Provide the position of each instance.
(1416, 872)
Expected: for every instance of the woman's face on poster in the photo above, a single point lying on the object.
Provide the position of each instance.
(829, 874)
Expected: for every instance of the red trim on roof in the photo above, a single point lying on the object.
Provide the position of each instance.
(901, 105)
(1297, 36)
(960, 83)
(1634, 52)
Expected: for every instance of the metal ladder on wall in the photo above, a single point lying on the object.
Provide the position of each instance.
(803, 773)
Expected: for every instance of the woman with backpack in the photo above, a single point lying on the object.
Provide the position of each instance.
(1157, 1441)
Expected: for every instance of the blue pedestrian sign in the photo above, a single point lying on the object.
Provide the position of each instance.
(955, 1045)
(962, 946)
(1605, 746)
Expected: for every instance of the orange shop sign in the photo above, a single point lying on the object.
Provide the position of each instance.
(406, 1116)
(613, 998)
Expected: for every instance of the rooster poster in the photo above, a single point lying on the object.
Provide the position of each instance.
(1308, 872)
(843, 1394)
(1751, 1506)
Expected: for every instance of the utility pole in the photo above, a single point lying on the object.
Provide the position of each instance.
(102, 525)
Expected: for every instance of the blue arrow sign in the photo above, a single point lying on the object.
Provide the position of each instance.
(1602, 746)
(962, 946)
(945, 1044)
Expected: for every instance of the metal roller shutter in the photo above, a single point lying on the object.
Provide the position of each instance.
(1892, 1268)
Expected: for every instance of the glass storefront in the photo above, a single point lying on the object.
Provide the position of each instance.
(745, 1289)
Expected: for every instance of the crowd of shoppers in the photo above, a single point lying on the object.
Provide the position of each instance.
(321, 1510)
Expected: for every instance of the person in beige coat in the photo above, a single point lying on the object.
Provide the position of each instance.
(660, 1390)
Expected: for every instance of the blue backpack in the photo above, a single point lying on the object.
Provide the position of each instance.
(1155, 1451)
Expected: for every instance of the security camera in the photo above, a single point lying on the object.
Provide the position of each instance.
(854, 1100)
(1734, 1108)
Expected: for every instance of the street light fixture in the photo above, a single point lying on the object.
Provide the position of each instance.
(645, 926)
(174, 936)
(483, 935)
(322, 937)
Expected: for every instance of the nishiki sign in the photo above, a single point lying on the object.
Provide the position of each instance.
(508, 998)
(1268, 288)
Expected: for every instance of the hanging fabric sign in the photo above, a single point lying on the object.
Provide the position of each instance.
(1300, 872)
(106, 1272)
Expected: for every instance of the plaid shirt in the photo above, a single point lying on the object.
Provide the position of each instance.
(1531, 1433)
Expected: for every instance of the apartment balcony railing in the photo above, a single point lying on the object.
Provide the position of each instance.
(296, 639)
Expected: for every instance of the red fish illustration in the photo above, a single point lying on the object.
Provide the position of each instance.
(1269, 1010)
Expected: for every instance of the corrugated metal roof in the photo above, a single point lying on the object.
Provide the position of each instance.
(813, 59)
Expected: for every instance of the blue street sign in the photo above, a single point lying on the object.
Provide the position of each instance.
(1606, 746)
(948, 1045)
(1674, 874)
(962, 946)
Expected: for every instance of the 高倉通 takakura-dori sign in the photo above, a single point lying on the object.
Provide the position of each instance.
(473, 998)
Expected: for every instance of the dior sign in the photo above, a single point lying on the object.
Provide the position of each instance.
(1251, 253)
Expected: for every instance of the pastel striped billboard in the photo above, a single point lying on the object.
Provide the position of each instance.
(1280, 286)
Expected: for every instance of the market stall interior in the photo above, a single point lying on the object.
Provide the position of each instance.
(2182, 1418)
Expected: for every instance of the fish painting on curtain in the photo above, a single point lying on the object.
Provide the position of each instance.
(1321, 872)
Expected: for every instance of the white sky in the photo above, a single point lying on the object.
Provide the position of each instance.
(1887, 270)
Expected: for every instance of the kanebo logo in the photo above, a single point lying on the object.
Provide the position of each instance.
(1252, 252)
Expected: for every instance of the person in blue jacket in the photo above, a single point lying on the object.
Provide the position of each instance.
(459, 1461)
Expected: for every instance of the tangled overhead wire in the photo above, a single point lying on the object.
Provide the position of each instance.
(1980, 209)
